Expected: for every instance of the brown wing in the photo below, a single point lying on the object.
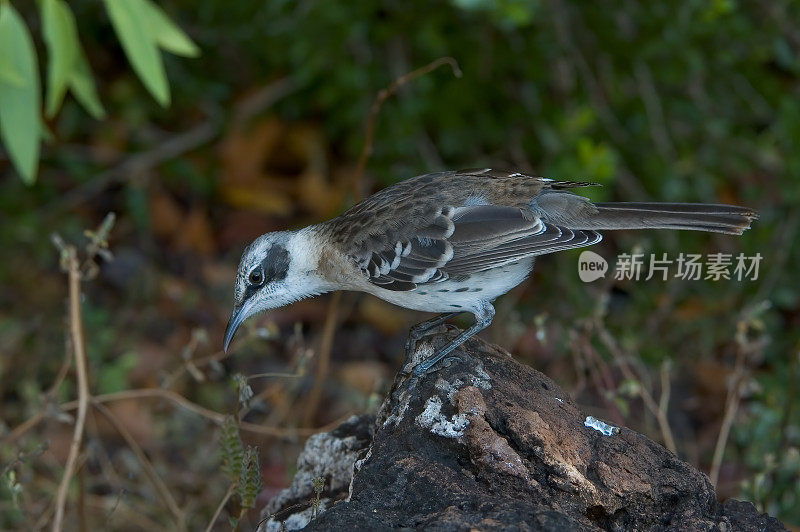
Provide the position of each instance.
(425, 229)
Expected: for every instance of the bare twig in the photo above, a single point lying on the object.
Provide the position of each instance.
(216, 417)
(323, 361)
(329, 328)
(731, 406)
(142, 521)
(149, 470)
(654, 110)
(192, 366)
(62, 371)
(274, 375)
(135, 166)
(261, 99)
(79, 349)
(660, 414)
(592, 362)
(179, 400)
(221, 505)
(666, 389)
(170, 148)
(22, 429)
(383, 95)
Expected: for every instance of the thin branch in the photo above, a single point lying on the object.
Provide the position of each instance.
(149, 470)
(196, 363)
(592, 362)
(179, 400)
(274, 375)
(654, 110)
(216, 417)
(22, 429)
(329, 328)
(170, 148)
(661, 415)
(62, 371)
(221, 505)
(79, 349)
(261, 99)
(135, 166)
(100, 502)
(666, 389)
(383, 95)
(324, 359)
(731, 406)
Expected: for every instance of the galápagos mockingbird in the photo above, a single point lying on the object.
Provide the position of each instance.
(448, 242)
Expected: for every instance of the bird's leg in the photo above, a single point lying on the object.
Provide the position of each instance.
(421, 329)
(483, 317)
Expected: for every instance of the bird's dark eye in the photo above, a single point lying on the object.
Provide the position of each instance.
(256, 277)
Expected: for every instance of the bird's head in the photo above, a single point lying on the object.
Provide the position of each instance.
(275, 270)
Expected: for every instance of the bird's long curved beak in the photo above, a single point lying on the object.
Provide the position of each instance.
(237, 317)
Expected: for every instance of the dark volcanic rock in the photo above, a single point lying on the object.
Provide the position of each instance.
(489, 444)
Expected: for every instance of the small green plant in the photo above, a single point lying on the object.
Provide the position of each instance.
(241, 466)
(319, 486)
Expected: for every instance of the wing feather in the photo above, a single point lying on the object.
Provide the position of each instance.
(467, 240)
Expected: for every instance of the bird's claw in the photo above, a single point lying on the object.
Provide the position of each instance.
(429, 364)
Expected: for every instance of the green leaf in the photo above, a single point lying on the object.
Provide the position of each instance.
(61, 38)
(20, 107)
(82, 85)
(131, 22)
(68, 67)
(9, 73)
(167, 34)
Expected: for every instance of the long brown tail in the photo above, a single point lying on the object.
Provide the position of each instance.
(728, 219)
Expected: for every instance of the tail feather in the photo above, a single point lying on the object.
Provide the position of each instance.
(728, 219)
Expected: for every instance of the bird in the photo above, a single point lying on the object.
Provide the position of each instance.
(448, 242)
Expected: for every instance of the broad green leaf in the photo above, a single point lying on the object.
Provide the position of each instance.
(167, 34)
(61, 37)
(132, 25)
(82, 85)
(20, 107)
(8, 71)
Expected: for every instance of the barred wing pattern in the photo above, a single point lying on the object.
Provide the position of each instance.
(457, 242)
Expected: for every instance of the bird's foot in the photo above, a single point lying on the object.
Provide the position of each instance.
(435, 363)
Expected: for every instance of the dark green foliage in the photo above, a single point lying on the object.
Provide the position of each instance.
(675, 101)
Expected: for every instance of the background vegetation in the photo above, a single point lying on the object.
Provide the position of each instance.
(675, 101)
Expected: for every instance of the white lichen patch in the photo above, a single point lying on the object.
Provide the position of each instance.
(400, 410)
(600, 426)
(296, 521)
(432, 418)
(479, 379)
(356, 468)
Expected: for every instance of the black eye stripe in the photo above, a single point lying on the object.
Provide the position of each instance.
(274, 267)
(276, 263)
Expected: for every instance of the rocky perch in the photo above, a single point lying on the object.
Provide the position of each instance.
(487, 443)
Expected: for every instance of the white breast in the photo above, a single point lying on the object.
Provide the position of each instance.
(454, 295)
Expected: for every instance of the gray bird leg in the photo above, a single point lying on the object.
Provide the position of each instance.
(421, 329)
(483, 318)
